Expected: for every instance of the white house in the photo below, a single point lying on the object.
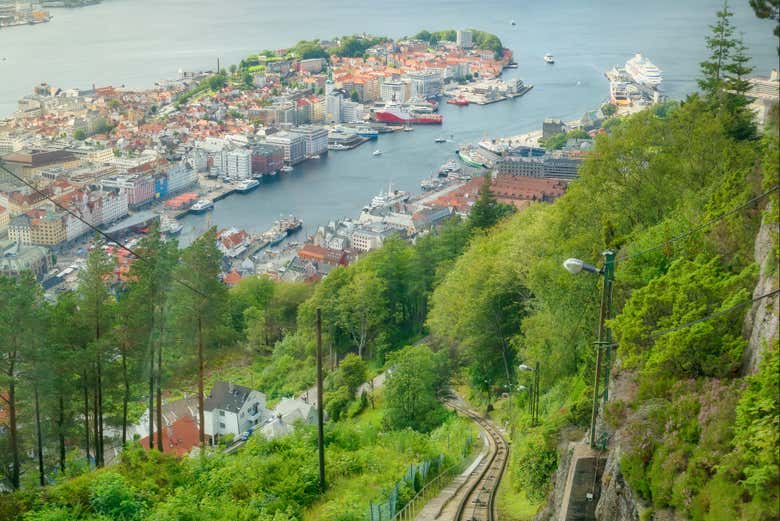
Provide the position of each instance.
(232, 409)
(291, 410)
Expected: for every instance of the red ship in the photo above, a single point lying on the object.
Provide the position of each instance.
(403, 117)
(458, 101)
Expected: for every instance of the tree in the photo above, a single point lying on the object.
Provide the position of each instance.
(609, 109)
(411, 390)
(199, 302)
(352, 373)
(354, 96)
(233, 69)
(362, 309)
(19, 306)
(487, 211)
(95, 307)
(79, 134)
(768, 9)
(720, 43)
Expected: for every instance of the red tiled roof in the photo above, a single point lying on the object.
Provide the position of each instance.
(179, 437)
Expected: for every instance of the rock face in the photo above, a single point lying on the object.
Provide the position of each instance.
(762, 322)
(617, 501)
(552, 509)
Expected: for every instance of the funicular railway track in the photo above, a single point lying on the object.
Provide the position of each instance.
(478, 497)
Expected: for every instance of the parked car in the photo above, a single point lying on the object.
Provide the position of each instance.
(244, 435)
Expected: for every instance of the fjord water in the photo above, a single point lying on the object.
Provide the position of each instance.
(136, 42)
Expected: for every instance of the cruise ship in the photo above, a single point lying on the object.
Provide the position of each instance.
(402, 116)
(643, 71)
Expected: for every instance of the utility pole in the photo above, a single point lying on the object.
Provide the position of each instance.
(537, 383)
(605, 339)
(320, 417)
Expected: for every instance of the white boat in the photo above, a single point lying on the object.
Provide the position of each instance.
(247, 185)
(389, 198)
(315, 156)
(202, 205)
(643, 71)
(169, 225)
(377, 152)
(549, 58)
(440, 140)
(286, 168)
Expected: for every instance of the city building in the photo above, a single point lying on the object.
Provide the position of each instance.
(16, 259)
(180, 177)
(238, 163)
(351, 111)
(394, 91)
(463, 39)
(425, 84)
(293, 146)
(232, 409)
(316, 139)
(551, 127)
(266, 158)
(765, 94)
(369, 238)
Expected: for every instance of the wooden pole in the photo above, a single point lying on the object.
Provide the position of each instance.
(320, 405)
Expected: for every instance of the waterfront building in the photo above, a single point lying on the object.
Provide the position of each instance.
(551, 127)
(765, 93)
(266, 158)
(239, 163)
(333, 103)
(351, 111)
(180, 177)
(425, 84)
(316, 139)
(394, 91)
(293, 146)
(463, 39)
(555, 165)
(139, 188)
(370, 238)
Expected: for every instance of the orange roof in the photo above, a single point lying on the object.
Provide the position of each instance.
(232, 278)
(179, 437)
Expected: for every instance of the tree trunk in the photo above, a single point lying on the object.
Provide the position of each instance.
(160, 425)
(95, 428)
(99, 440)
(12, 418)
(201, 420)
(41, 475)
(61, 432)
(151, 394)
(126, 395)
(86, 418)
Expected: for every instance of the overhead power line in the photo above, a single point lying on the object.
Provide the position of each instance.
(696, 229)
(91, 226)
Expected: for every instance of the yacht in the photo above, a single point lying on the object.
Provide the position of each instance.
(377, 152)
(549, 58)
(247, 185)
(440, 140)
(643, 71)
(201, 206)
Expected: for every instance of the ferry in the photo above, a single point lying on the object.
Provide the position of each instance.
(397, 114)
(549, 58)
(202, 206)
(169, 225)
(370, 133)
(247, 185)
(466, 155)
(643, 71)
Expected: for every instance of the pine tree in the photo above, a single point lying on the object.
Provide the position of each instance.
(95, 306)
(199, 304)
(720, 44)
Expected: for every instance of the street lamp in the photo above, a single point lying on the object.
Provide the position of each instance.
(575, 266)
(534, 394)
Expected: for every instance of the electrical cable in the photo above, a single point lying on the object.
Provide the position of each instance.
(690, 232)
(91, 226)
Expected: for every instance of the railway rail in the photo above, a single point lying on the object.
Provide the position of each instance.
(477, 499)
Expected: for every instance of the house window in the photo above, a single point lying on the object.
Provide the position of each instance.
(221, 425)
(221, 413)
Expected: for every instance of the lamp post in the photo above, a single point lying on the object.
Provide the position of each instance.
(575, 266)
(534, 394)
